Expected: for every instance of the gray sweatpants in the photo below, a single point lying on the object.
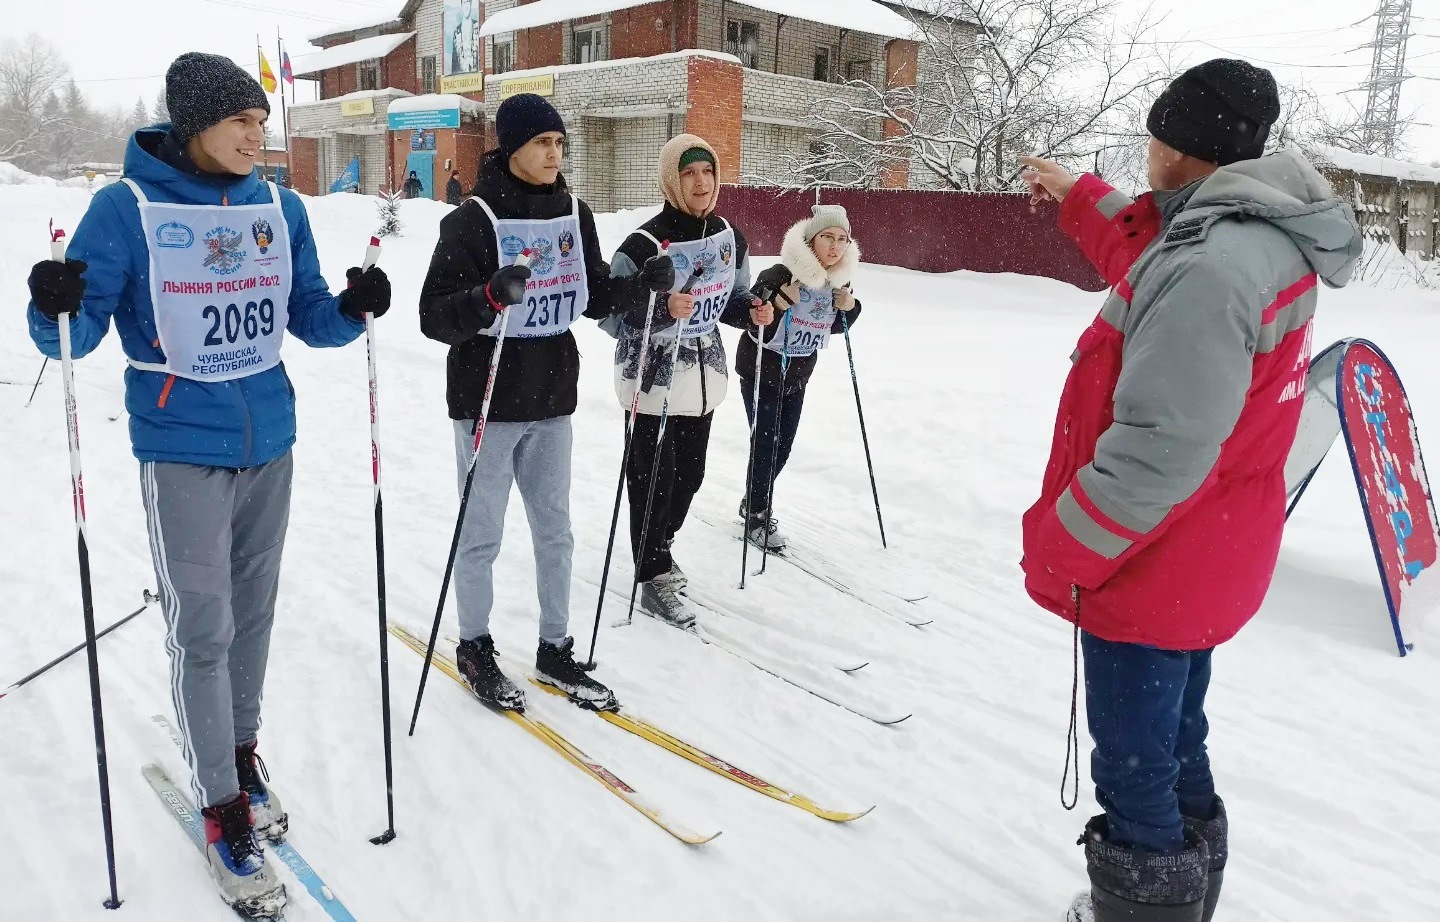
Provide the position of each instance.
(216, 536)
(535, 457)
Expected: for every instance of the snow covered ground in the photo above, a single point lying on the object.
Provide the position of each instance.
(1324, 742)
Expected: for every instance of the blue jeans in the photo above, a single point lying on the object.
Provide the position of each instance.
(1146, 709)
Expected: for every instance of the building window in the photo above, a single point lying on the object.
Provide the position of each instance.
(427, 75)
(859, 70)
(370, 75)
(589, 46)
(742, 39)
(503, 56)
(822, 64)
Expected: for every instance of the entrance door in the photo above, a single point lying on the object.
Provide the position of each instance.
(422, 162)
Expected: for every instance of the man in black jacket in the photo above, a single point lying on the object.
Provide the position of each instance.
(473, 287)
(454, 192)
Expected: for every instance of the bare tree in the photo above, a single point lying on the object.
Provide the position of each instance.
(31, 71)
(998, 79)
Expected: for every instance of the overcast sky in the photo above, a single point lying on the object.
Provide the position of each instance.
(119, 51)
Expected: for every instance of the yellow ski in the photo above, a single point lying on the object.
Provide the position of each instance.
(569, 750)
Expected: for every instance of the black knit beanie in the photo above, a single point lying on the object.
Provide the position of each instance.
(521, 118)
(1220, 111)
(203, 90)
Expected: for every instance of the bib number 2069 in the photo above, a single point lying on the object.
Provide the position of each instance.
(232, 323)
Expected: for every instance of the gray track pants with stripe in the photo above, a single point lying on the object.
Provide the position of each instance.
(536, 458)
(216, 536)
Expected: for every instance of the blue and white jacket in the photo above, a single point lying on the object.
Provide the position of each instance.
(241, 423)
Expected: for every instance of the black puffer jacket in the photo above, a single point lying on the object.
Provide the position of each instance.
(537, 378)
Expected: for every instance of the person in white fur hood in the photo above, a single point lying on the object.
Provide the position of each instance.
(811, 291)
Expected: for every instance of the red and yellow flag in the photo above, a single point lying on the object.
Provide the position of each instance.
(267, 76)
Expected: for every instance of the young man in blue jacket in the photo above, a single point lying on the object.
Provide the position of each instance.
(204, 268)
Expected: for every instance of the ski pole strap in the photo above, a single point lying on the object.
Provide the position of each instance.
(1072, 733)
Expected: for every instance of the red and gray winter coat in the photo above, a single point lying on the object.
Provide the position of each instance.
(1164, 499)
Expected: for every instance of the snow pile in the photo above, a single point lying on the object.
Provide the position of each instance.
(1320, 733)
(1384, 266)
(12, 175)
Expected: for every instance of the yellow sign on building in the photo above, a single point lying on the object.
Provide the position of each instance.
(541, 86)
(463, 83)
(364, 106)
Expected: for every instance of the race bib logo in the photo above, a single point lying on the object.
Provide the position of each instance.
(705, 267)
(681, 261)
(511, 247)
(542, 256)
(174, 236)
(566, 242)
(726, 253)
(226, 251)
(263, 233)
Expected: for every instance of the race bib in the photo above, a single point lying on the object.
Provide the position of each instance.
(558, 291)
(715, 259)
(220, 278)
(809, 324)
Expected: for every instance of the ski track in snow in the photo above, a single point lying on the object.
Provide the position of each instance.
(1324, 741)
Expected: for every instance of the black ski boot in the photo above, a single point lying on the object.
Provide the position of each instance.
(1216, 833)
(1133, 885)
(556, 667)
(476, 659)
(269, 817)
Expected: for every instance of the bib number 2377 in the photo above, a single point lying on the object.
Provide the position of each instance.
(547, 310)
(232, 323)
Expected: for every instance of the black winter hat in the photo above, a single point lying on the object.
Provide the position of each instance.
(1220, 111)
(522, 117)
(203, 90)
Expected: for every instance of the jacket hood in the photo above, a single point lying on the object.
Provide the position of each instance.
(805, 266)
(1285, 190)
(143, 164)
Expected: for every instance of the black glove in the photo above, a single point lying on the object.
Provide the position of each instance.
(506, 287)
(58, 288)
(769, 282)
(658, 273)
(369, 293)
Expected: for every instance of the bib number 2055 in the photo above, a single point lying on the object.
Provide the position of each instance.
(232, 323)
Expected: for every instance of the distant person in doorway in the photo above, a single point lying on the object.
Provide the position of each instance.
(413, 187)
(454, 192)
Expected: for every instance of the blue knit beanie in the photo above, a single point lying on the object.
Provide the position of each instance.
(522, 117)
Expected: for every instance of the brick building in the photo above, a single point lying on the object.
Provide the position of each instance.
(418, 91)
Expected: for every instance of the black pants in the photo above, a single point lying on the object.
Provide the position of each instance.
(767, 431)
(677, 480)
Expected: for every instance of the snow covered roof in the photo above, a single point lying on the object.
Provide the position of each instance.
(1370, 165)
(856, 15)
(365, 49)
(435, 102)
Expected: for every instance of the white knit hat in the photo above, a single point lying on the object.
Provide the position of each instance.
(823, 217)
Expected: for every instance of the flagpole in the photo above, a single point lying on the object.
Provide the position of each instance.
(260, 71)
(284, 116)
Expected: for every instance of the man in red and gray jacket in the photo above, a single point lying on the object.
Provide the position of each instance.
(1159, 520)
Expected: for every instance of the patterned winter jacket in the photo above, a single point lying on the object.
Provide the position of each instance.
(1160, 516)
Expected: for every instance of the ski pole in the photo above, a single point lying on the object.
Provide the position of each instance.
(775, 444)
(372, 256)
(659, 441)
(87, 602)
(522, 260)
(754, 449)
(43, 366)
(149, 597)
(625, 462)
(864, 437)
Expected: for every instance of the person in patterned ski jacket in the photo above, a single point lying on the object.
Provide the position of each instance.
(687, 390)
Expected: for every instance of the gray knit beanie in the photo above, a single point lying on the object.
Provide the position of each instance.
(203, 90)
(826, 216)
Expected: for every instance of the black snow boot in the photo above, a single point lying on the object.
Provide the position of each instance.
(476, 659)
(1216, 833)
(556, 666)
(1133, 885)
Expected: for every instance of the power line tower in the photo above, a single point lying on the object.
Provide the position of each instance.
(1387, 73)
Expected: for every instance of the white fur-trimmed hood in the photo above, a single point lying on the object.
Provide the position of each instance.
(805, 266)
